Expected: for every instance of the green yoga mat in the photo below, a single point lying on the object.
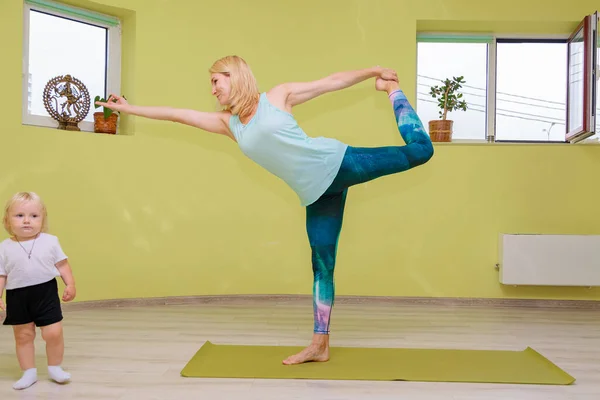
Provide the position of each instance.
(378, 364)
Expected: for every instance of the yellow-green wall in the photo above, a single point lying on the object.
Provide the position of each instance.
(168, 210)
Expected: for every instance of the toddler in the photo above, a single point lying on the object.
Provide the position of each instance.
(30, 261)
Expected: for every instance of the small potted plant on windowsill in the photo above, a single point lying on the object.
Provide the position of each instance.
(449, 99)
(106, 120)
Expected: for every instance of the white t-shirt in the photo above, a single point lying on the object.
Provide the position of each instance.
(22, 271)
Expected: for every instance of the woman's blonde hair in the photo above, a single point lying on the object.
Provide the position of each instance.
(244, 89)
(24, 196)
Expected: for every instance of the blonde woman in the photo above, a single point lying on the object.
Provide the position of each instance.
(320, 170)
(30, 261)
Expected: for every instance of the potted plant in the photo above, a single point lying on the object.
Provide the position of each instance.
(449, 99)
(105, 121)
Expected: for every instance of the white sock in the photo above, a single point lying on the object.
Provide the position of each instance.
(29, 378)
(57, 374)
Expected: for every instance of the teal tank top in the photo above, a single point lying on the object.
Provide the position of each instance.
(273, 139)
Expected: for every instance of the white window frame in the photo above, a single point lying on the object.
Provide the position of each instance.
(491, 41)
(113, 64)
(589, 29)
(490, 92)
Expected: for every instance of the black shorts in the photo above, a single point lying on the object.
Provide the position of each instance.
(38, 303)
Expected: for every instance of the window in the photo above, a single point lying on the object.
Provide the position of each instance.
(534, 90)
(62, 40)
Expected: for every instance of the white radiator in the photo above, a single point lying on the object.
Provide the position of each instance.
(549, 260)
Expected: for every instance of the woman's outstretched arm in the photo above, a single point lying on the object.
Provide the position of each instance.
(215, 122)
(299, 92)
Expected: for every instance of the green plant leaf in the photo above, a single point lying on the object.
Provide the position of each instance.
(107, 112)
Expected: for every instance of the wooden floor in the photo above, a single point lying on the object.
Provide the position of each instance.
(138, 352)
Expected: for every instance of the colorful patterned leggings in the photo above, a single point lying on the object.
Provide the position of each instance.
(324, 217)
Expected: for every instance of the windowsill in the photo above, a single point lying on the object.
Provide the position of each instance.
(80, 132)
(472, 142)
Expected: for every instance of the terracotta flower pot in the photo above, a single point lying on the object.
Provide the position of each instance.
(108, 125)
(440, 130)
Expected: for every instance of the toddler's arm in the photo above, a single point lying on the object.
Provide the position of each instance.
(2, 285)
(67, 276)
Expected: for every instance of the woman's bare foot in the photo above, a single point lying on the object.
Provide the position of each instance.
(386, 86)
(317, 351)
